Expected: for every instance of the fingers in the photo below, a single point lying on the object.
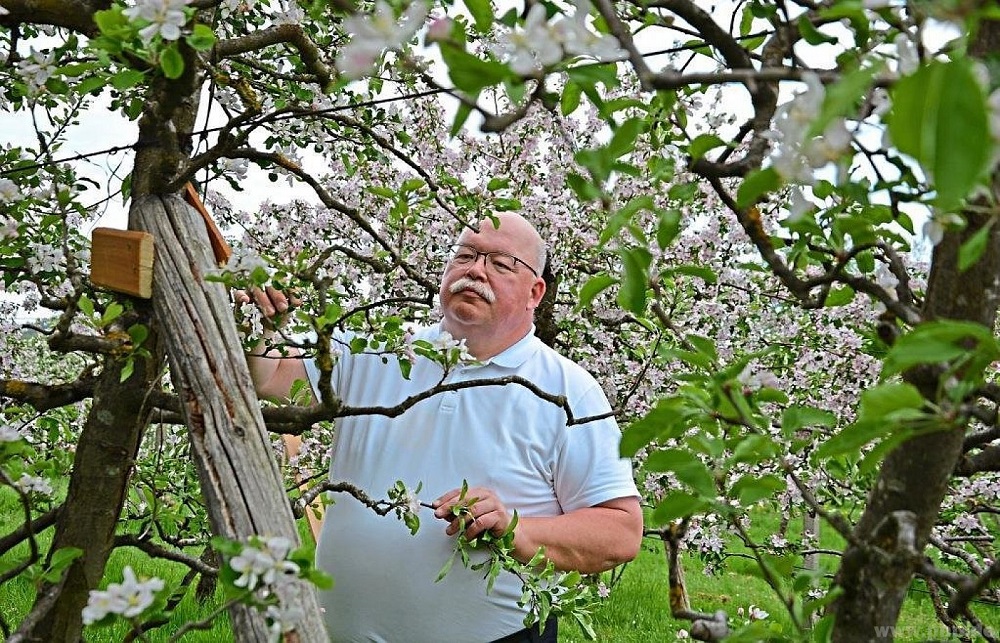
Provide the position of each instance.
(478, 511)
(269, 300)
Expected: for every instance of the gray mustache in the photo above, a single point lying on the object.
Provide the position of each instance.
(478, 287)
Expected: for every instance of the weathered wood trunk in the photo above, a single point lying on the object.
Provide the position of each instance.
(102, 465)
(236, 464)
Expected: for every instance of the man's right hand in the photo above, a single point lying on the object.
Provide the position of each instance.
(271, 302)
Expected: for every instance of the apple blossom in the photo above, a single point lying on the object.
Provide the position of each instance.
(371, 34)
(533, 46)
(34, 484)
(263, 561)
(165, 18)
(128, 599)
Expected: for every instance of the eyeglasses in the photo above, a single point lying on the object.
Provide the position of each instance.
(503, 263)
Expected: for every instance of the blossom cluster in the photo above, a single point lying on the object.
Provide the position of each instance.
(372, 34)
(541, 43)
(264, 562)
(128, 599)
(798, 153)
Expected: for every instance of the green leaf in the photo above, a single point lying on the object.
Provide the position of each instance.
(972, 249)
(461, 115)
(840, 296)
(677, 505)
(751, 489)
(482, 14)
(668, 226)
(934, 342)
(85, 305)
(470, 73)
(668, 419)
(111, 313)
(812, 35)
(703, 345)
(938, 117)
(623, 140)
(851, 438)
(688, 468)
(794, 418)
(884, 399)
(202, 38)
(754, 448)
(594, 286)
(127, 78)
(701, 272)
(171, 62)
(702, 144)
(635, 279)
(584, 189)
(570, 98)
(755, 185)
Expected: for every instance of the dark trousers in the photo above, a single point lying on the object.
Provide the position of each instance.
(531, 634)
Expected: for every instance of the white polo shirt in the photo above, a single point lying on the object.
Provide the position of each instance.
(501, 437)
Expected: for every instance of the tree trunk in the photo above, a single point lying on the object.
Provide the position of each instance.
(913, 479)
(98, 485)
(236, 464)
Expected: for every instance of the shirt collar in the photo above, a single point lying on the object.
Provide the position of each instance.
(514, 355)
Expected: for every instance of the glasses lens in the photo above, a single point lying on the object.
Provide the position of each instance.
(502, 262)
(462, 254)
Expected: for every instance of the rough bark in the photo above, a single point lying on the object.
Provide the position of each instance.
(875, 576)
(102, 464)
(236, 464)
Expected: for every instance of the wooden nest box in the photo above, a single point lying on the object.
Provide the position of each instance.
(122, 260)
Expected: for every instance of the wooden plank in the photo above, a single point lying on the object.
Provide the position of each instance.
(220, 247)
(240, 480)
(122, 260)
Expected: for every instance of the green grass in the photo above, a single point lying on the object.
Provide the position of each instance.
(637, 610)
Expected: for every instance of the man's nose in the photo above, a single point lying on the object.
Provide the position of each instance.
(474, 267)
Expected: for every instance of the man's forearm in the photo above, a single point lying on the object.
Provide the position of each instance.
(588, 540)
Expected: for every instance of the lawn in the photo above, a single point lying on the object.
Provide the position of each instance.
(637, 611)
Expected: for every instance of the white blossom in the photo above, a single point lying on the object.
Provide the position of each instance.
(293, 15)
(935, 226)
(578, 40)
(283, 619)
(445, 343)
(237, 168)
(798, 206)
(8, 228)
(371, 34)
(130, 598)
(533, 46)
(28, 484)
(9, 434)
(165, 18)
(263, 563)
(36, 69)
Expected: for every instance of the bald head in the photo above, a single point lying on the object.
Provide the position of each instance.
(524, 234)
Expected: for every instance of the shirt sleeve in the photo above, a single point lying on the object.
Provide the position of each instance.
(588, 469)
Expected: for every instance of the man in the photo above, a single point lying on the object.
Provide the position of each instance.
(573, 495)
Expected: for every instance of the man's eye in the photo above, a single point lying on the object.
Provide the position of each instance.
(464, 257)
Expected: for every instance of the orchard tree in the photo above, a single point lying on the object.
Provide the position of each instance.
(729, 194)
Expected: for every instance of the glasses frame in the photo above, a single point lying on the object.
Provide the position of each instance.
(479, 253)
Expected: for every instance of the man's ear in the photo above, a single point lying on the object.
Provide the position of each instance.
(537, 292)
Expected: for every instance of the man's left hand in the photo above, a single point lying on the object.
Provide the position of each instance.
(481, 511)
